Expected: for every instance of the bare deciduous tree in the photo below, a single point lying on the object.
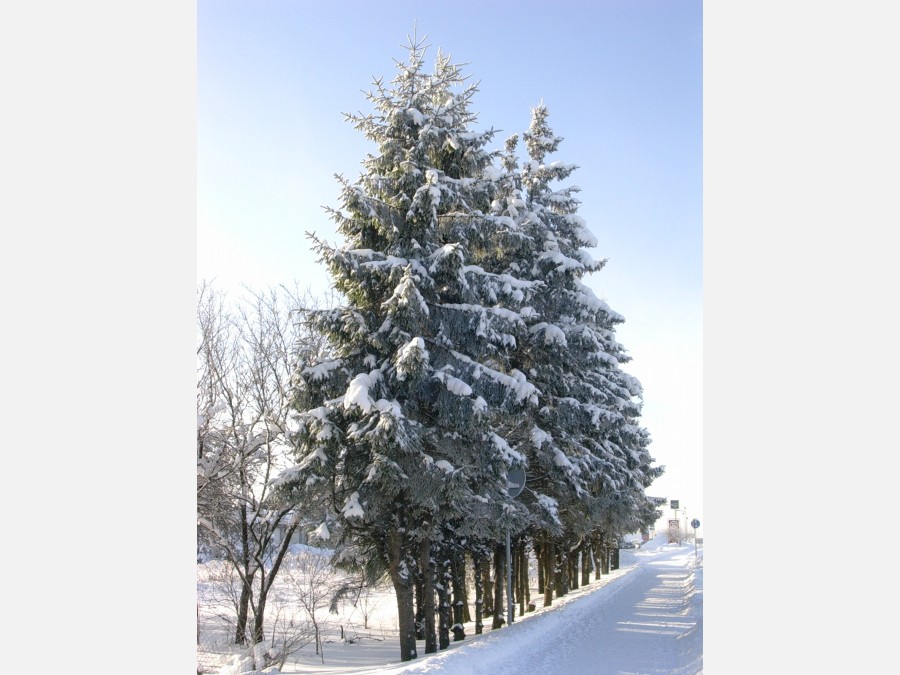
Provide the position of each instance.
(247, 355)
(314, 585)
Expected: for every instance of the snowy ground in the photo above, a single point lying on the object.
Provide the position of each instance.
(646, 617)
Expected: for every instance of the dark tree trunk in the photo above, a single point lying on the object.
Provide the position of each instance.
(479, 593)
(576, 568)
(573, 568)
(243, 611)
(614, 549)
(585, 563)
(403, 588)
(260, 609)
(443, 585)
(420, 615)
(460, 576)
(426, 565)
(526, 580)
(597, 552)
(549, 564)
(266, 581)
(539, 556)
(561, 572)
(458, 581)
(488, 584)
(499, 571)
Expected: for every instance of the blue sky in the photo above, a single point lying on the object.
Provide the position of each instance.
(623, 83)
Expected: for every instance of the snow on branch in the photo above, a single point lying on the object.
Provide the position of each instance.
(388, 262)
(321, 532)
(552, 334)
(587, 298)
(539, 437)
(406, 295)
(453, 384)
(582, 233)
(510, 456)
(562, 262)
(320, 371)
(502, 312)
(357, 393)
(411, 359)
(515, 381)
(352, 508)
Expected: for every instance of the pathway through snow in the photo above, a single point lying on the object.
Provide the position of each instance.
(648, 622)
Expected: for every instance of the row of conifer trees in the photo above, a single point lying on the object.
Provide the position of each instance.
(467, 346)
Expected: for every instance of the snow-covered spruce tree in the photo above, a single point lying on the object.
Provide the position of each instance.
(394, 433)
(587, 454)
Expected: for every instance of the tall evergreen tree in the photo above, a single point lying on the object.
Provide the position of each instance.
(587, 453)
(394, 431)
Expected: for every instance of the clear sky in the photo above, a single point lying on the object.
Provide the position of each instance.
(623, 83)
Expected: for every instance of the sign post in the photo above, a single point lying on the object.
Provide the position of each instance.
(675, 505)
(695, 524)
(515, 483)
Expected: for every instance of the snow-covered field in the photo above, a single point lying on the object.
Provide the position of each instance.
(645, 617)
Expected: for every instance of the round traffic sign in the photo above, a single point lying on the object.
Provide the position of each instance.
(695, 523)
(515, 481)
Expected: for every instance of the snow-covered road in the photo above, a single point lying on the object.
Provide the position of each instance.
(647, 621)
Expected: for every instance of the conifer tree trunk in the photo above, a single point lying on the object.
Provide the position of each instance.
(420, 612)
(443, 594)
(614, 550)
(539, 557)
(499, 570)
(459, 602)
(597, 550)
(549, 564)
(557, 574)
(585, 563)
(561, 572)
(527, 582)
(426, 565)
(488, 584)
(573, 568)
(604, 555)
(403, 589)
(479, 594)
(461, 567)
